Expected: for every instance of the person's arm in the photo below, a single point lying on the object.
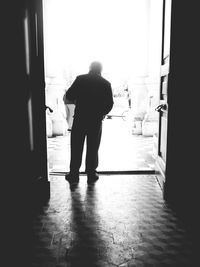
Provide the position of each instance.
(67, 101)
(71, 94)
(108, 105)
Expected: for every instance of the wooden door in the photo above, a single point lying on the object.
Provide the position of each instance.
(162, 108)
(33, 25)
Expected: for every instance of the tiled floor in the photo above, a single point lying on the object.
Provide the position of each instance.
(119, 150)
(122, 220)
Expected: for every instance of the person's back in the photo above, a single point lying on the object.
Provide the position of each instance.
(93, 97)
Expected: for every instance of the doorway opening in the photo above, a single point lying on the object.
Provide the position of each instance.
(126, 38)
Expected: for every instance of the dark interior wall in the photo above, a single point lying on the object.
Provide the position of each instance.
(183, 121)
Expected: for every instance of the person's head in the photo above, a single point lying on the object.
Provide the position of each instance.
(96, 67)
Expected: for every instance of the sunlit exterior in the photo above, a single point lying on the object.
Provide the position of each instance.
(124, 35)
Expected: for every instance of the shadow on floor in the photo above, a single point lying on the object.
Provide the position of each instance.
(122, 220)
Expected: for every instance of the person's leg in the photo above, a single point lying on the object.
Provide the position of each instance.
(77, 143)
(94, 133)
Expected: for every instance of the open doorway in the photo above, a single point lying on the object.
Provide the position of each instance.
(126, 38)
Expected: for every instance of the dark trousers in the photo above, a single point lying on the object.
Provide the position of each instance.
(91, 131)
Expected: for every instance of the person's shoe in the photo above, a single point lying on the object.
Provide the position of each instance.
(92, 177)
(72, 178)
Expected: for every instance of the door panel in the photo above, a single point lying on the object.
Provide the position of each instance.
(163, 138)
(38, 90)
(161, 159)
(33, 29)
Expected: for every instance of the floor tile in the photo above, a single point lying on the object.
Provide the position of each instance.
(121, 220)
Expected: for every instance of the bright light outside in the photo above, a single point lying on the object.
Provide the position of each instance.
(112, 31)
(125, 35)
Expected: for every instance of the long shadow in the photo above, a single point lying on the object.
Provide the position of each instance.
(87, 246)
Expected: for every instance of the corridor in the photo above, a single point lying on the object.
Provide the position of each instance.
(122, 220)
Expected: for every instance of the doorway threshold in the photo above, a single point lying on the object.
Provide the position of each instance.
(62, 173)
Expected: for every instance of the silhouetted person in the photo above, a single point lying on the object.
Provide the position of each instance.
(93, 99)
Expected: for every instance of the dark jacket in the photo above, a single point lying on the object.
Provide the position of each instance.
(92, 95)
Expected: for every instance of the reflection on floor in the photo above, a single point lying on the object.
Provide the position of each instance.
(119, 150)
(121, 221)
